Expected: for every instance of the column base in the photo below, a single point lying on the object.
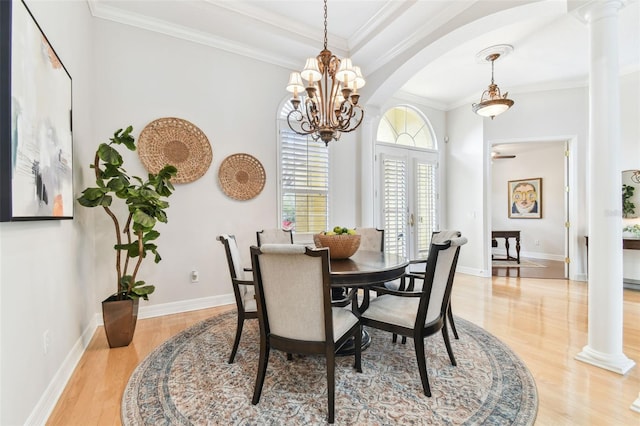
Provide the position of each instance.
(617, 363)
(636, 404)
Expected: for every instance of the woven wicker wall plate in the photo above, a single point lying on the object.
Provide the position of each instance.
(177, 142)
(241, 176)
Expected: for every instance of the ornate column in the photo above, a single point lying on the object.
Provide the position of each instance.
(604, 346)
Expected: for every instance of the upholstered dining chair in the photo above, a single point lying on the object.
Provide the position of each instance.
(295, 313)
(243, 288)
(274, 236)
(417, 274)
(438, 237)
(419, 314)
(371, 239)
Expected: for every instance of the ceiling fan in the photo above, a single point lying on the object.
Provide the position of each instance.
(495, 155)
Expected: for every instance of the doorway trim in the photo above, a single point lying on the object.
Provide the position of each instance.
(571, 247)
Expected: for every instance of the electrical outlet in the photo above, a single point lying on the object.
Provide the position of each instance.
(195, 276)
(537, 242)
(46, 341)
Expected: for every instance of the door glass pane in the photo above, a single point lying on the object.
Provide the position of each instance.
(394, 205)
(425, 206)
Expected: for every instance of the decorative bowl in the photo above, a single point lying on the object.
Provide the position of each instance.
(341, 246)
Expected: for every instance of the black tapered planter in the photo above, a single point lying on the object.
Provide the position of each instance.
(120, 317)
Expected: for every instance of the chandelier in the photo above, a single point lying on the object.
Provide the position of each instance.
(330, 106)
(493, 103)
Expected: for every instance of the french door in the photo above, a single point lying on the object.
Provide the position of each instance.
(407, 196)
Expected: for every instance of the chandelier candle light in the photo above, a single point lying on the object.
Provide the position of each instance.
(331, 102)
(492, 103)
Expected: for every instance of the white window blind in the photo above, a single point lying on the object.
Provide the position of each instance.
(395, 205)
(305, 182)
(425, 206)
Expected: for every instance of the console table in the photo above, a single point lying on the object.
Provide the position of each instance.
(506, 235)
(627, 244)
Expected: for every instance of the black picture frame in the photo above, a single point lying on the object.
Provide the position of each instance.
(36, 136)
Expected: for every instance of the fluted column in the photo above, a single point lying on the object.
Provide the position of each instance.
(604, 346)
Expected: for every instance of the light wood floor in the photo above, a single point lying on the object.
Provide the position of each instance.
(542, 320)
(552, 269)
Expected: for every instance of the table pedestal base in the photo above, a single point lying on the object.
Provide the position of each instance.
(348, 347)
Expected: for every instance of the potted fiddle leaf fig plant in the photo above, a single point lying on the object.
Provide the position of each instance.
(135, 233)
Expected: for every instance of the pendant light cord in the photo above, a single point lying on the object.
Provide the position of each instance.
(492, 61)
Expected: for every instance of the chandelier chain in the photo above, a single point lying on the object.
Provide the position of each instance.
(325, 24)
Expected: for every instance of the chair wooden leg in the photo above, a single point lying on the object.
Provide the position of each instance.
(422, 364)
(331, 384)
(447, 343)
(453, 324)
(262, 370)
(236, 342)
(358, 350)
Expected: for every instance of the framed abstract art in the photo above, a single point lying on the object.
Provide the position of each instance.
(36, 145)
(525, 198)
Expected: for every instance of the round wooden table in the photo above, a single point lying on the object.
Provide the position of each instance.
(366, 268)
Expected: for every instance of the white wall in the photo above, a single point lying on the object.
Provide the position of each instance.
(136, 76)
(46, 267)
(464, 187)
(545, 161)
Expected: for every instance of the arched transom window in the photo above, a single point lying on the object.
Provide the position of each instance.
(403, 125)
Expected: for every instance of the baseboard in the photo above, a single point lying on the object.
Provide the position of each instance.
(529, 254)
(185, 306)
(49, 398)
(56, 386)
(473, 271)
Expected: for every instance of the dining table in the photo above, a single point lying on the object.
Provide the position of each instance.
(362, 270)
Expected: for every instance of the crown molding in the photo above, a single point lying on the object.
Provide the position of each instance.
(103, 11)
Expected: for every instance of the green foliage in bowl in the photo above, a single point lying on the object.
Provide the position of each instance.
(340, 230)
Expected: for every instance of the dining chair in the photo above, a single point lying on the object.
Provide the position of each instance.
(439, 237)
(401, 284)
(371, 239)
(274, 236)
(243, 288)
(419, 314)
(293, 294)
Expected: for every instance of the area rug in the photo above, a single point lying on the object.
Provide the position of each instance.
(513, 264)
(187, 381)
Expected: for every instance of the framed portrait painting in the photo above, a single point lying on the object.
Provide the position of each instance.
(525, 198)
(36, 168)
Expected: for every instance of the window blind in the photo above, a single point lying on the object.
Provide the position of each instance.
(395, 205)
(304, 165)
(425, 206)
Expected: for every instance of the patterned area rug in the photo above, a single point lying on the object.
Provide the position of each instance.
(187, 381)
